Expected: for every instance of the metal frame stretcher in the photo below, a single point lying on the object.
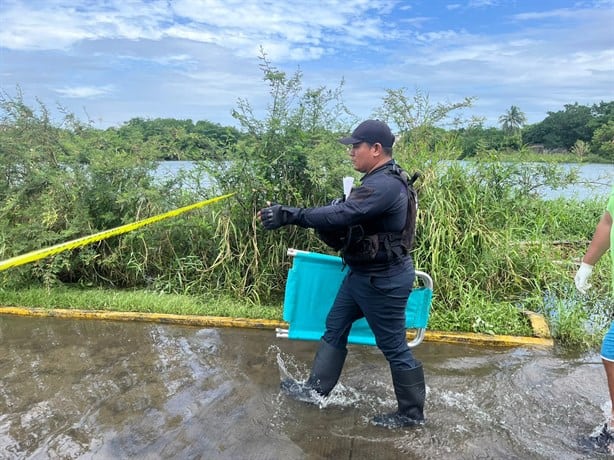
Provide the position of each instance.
(311, 288)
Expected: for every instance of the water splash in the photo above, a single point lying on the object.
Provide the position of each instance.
(342, 395)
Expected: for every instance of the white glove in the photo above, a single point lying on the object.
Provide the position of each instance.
(582, 276)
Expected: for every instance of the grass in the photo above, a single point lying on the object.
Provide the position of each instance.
(579, 321)
(140, 301)
(482, 318)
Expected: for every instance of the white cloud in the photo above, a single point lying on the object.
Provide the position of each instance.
(302, 26)
(447, 36)
(84, 91)
(540, 15)
(482, 3)
(195, 58)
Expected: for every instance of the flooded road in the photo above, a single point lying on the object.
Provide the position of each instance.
(78, 389)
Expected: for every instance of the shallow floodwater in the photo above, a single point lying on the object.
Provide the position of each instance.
(96, 389)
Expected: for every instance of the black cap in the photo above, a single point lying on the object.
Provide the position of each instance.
(371, 131)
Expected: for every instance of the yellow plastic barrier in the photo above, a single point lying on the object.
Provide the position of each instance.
(52, 250)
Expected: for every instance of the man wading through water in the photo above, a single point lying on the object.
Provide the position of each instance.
(374, 231)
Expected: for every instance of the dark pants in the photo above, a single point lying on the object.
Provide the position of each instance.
(382, 301)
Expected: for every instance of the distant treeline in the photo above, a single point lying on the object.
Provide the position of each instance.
(180, 139)
(578, 129)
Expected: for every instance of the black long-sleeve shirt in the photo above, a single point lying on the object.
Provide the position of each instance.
(379, 205)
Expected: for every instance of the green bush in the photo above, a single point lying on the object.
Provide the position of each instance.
(491, 244)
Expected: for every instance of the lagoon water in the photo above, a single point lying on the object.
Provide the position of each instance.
(596, 180)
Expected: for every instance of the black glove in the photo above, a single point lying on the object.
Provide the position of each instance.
(337, 201)
(276, 216)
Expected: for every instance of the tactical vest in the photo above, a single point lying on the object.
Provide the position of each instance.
(359, 247)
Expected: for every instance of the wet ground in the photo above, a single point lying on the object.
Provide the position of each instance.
(96, 389)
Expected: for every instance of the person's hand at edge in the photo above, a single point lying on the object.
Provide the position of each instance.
(582, 276)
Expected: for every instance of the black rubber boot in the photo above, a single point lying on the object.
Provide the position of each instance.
(325, 372)
(411, 392)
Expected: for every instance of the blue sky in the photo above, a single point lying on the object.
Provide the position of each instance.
(111, 60)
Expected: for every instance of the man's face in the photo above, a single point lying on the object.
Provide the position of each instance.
(360, 154)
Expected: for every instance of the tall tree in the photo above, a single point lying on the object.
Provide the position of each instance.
(563, 128)
(420, 122)
(512, 120)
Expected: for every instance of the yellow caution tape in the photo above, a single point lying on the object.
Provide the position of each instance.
(45, 252)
